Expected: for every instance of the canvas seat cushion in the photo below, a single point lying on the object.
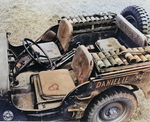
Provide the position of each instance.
(50, 48)
(56, 82)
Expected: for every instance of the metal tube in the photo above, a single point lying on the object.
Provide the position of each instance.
(79, 20)
(105, 17)
(122, 58)
(82, 18)
(93, 19)
(104, 59)
(70, 20)
(142, 56)
(138, 59)
(117, 59)
(97, 19)
(98, 62)
(88, 19)
(128, 55)
(74, 20)
(111, 60)
(148, 50)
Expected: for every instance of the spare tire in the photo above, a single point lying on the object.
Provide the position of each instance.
(138, 17)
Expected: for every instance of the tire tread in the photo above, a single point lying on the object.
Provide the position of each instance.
(110, 94)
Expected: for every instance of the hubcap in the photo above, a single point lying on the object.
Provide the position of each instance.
(132, 20)
(8, 115)
(112, 112)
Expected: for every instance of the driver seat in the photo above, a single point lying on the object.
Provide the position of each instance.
(53, 48)
(53, 85)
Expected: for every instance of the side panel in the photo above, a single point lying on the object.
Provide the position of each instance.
(143, 81)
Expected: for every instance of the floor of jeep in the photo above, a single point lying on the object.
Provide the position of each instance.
(23, 95)
(24, 100)
(27, 101)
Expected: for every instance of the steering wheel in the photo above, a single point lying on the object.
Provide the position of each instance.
(37, 53)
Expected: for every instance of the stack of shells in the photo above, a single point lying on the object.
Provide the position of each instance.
(91, 18)
(121, 57)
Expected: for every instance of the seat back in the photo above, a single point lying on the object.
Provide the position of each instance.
(82, 64)
(48, 36)
(64, 33)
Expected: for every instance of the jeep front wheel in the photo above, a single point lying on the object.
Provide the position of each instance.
(114, 105)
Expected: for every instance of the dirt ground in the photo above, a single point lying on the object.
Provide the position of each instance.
(30, 18)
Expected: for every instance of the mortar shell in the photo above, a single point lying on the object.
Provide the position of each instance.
(111, 60)
(82, 18)
(102, 18)
(88, 19)
(99, 63)
(147, 48)
(116, 58)
(104, 59)
(97, 19)
(95, 56)
(128, 55)
(79, 20)
(74, 20)
(93, 19)
(122, 58)
(144, 59)
(147, 55)
(70, 20)
(105, 17)
(138, 59)
(110, 17)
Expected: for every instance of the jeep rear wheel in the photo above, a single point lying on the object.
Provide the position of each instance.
(114, 105)
(138, 17)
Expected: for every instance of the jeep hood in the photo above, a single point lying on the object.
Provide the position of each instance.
(4, 70)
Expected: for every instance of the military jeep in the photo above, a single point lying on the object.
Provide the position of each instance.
(84, 68)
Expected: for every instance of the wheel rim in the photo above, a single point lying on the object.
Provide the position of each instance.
(132, 20)
(112, 112)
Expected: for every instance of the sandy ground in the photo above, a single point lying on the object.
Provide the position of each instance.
(30, 18)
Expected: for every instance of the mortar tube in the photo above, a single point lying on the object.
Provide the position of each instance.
(116, 58)
(78, 19)
(88, 19)
(122, 58)
(99, 63)
(74, 20)
(104, 59)
(128, 55)
(138, 59)
(111, 60)
(82, 18)
(147, 49)
(70, 20)
(144, 59)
